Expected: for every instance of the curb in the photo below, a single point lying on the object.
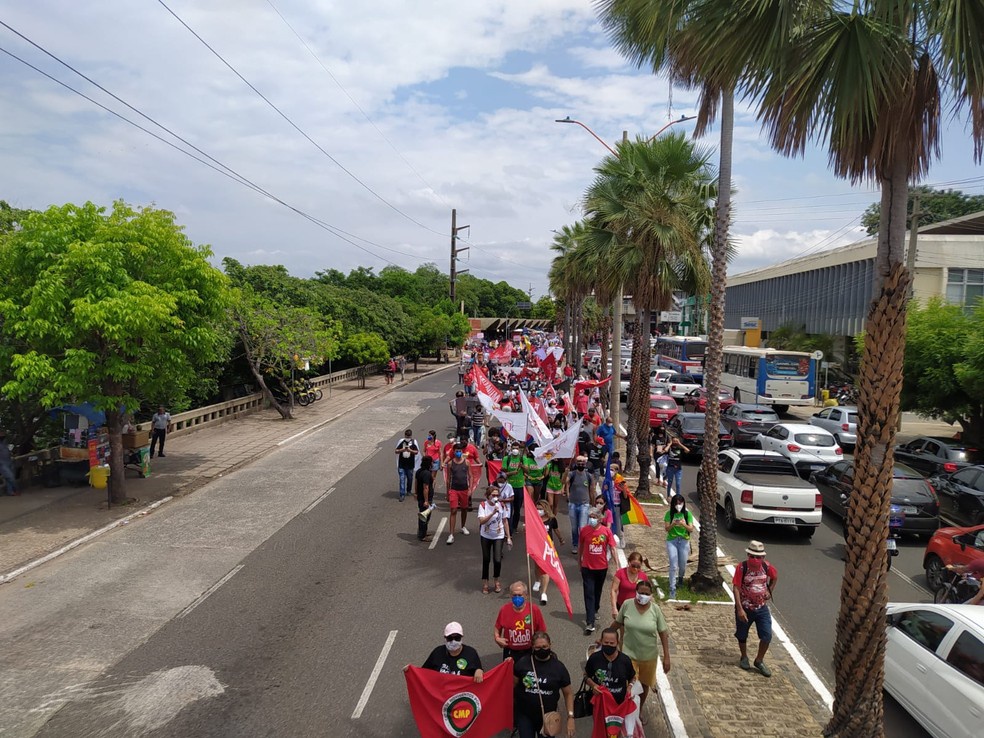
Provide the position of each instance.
(179, 491)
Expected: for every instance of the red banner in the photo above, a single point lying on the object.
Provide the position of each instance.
(548, 368)
(483, 385)
(503, 354)
(492, 469)
(540, 547)
(590, 383)
(609, 715)
(450, 705)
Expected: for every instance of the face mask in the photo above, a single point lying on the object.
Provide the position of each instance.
(643, 599)
(580, 467)
(452, 645)
(515, 452)
(457, 454)
(494, 500)
(518, 601)
(542, 513)
(593, 522)
(609, 650)
(679, 508)
(541, 654)
(430, 438)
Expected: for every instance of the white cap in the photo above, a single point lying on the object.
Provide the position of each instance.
(453, 628)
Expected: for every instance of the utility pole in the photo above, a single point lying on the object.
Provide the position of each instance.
(615, 401)
(910, 256)
(455, 228)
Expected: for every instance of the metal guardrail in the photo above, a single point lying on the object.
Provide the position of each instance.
(29, 465)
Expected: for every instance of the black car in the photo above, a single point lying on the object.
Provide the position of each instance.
(961, 494)
(744, 421)
(909, 490)
(689, 428)
(936, 455)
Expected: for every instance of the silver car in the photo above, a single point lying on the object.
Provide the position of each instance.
(840, 422)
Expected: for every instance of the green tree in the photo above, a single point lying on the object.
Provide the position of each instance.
(934, 206)
(545, 308)
(944, 365)
(275, 337)
(365, 348)
(10, 217)
(791, 337)
(108, 308)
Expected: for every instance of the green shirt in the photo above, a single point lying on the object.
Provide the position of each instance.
(555, 477)
(641, 639)
(678, 529)
(534, 474)
(512, 467)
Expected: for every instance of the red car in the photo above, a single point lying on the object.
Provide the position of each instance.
(662, 409)
(695, 401)
(952, 546)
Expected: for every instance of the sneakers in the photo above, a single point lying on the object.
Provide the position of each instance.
(536, 586)
(450, 538)
(574, 551)
(763, 669)
(402, 498)
(589, 629)
(743, 663)
(672, 594)
(464, 531)
(543, 599)
(680, 582)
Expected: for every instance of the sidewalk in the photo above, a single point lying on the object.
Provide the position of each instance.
(42, 521)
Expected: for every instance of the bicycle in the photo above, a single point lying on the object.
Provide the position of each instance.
(956, 591)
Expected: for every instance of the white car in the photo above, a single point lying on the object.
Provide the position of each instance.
(811, 449)
(656, 376)
(934, 666)
(676, 385)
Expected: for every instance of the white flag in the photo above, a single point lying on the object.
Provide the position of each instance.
(537, 428)
(561, 447)
(514, 424)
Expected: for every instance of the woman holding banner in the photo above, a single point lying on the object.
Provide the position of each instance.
(541, 678)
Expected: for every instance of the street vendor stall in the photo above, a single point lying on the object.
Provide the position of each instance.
(84, 451)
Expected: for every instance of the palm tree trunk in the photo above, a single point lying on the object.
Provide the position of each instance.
(639, 401)
(707, 576)
(859, 647)
(606, 334)
(631, 445)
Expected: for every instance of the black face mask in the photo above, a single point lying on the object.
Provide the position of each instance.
(541, 654)
(609, 650)
(580, 467)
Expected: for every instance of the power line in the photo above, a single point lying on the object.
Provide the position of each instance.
(296, 127)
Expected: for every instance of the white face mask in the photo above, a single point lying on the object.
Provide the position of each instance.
(679, 508)
(643, 599)
(452, 645)
(515, 452)
(593, 522)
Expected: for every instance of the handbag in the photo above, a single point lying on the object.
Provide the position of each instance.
(583, 707)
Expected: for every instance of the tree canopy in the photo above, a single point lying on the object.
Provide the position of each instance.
(934, 206)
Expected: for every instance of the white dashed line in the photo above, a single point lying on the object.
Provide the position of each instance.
(367, 692)
(437, 534)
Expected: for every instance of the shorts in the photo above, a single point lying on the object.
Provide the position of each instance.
(763, 625)
(459, 499)
(645, 671)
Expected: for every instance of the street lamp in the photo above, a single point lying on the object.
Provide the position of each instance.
(681, 119)
(568, 119)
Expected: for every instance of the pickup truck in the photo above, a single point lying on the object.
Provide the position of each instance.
(763, 487)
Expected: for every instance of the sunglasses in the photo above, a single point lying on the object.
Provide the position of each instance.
(452, 637)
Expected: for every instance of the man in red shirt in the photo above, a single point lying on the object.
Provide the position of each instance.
(516, 623)
(754, 581)
(593, 544)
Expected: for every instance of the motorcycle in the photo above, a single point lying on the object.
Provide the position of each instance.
(896, 519)
(957, 590)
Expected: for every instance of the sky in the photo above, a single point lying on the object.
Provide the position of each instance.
(374, 120)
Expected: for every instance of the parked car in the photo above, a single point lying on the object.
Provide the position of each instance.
(690, 428)
(951, 546)
(677, 385)
(746, 421)
(934, 666)
(656, 376)
(591, 356)
(934, 455)
(764, 487)
(662, 409)
(810, 449)
(961, 494)
(695, 401)
(841, 422)
(909, 490)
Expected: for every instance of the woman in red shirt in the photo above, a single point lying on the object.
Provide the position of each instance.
(624, 583)
(432, 449)
(593, 542)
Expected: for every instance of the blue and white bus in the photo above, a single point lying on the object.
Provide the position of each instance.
(765, 376)
(682, 354)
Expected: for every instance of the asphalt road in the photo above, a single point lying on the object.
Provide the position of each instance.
(808, 595)
(286, 644)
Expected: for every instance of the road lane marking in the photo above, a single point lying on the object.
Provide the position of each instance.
(911, 582)
(314, 504)
(437, 534)
(364, 699)
(205, 595)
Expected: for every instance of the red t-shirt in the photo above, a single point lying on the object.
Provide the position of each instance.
(626, 589)
(753, 584)
(519, 627)
(591, 544)
(433, 449)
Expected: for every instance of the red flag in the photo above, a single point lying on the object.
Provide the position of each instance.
(590, 384)
(609, 715)
(451, 705)
(503, 354)
(540, 547)
(492, 469)
(549, 367)
(484, 386)
(540, 409)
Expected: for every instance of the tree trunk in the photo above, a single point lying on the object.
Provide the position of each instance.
(859, 647)
(631, 443)
(607, 391)
(639, 402)
(117, 462)
(284, 410)
(707, 577)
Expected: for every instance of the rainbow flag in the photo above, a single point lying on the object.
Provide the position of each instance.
(635, 515)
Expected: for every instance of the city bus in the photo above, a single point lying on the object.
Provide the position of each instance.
(682, 354)
(765, 376)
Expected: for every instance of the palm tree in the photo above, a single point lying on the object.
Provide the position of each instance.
(568, 281)
(653, 199)
(869, 79)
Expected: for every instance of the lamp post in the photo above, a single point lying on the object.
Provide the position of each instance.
(616, 406)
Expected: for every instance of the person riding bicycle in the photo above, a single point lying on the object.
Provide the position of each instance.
(975, 569)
